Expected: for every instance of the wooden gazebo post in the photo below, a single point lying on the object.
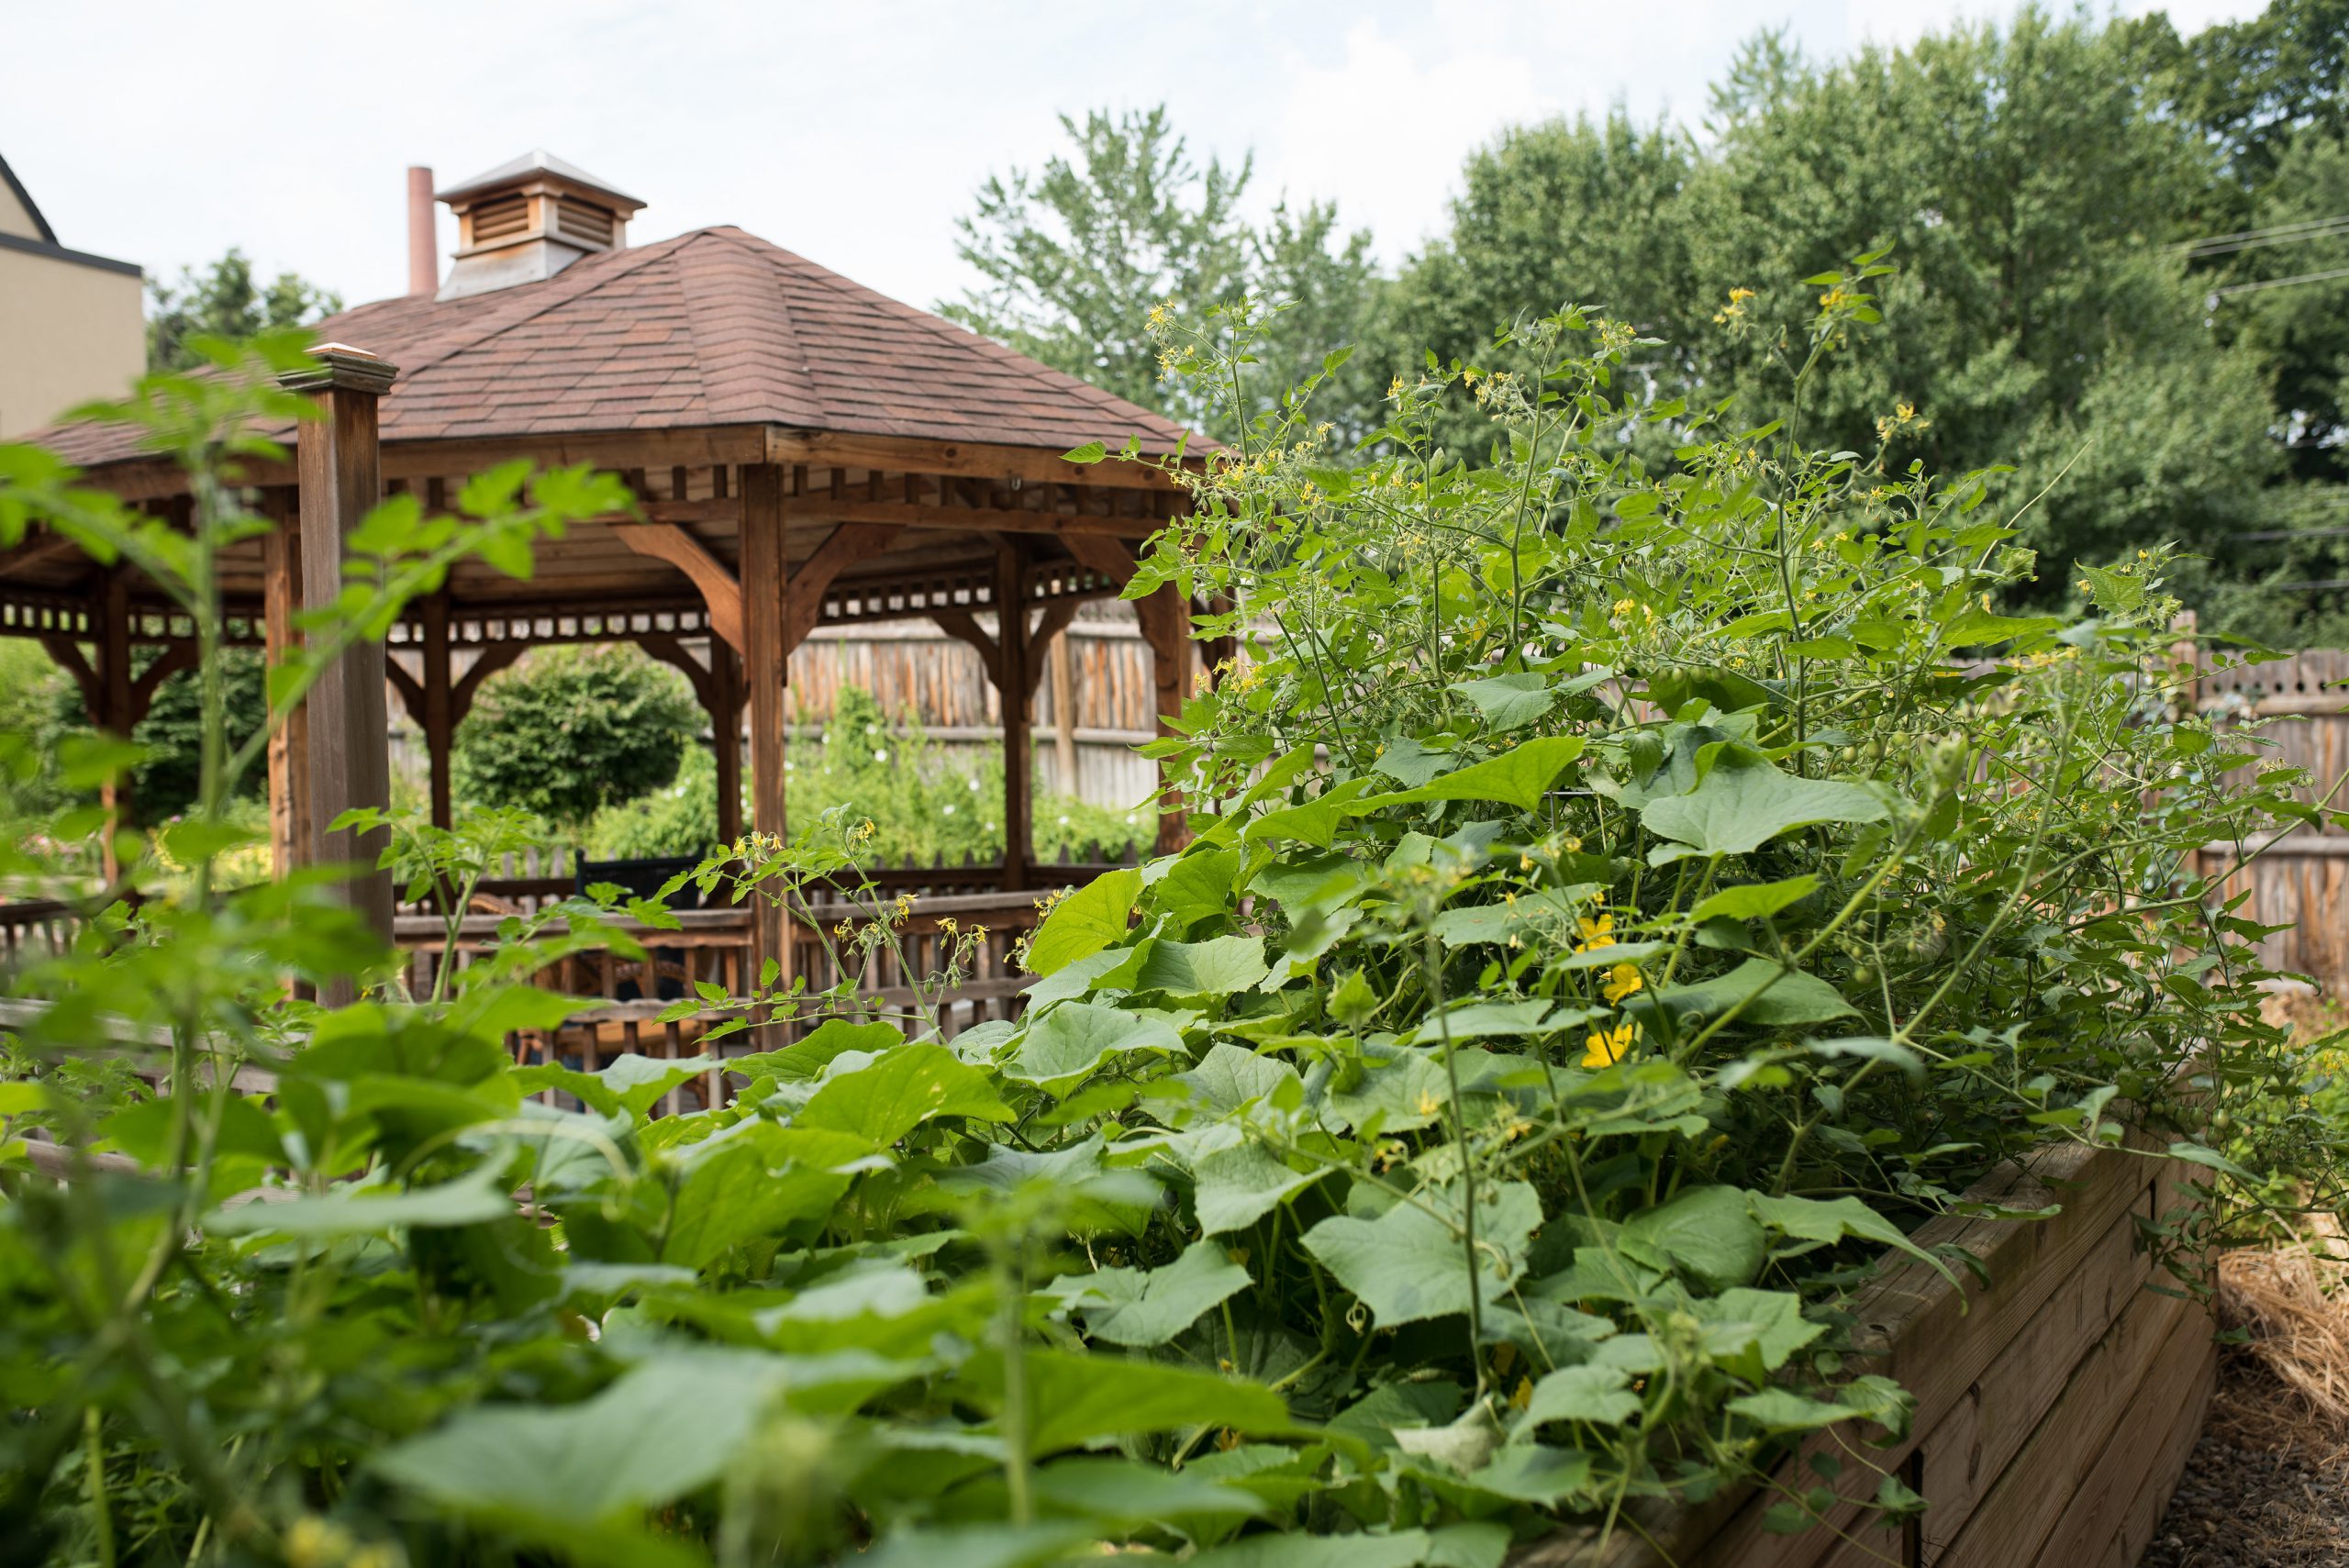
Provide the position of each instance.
(114, 713)
(766, 666)
(339, 468)
(1012, 689)
(289, 748)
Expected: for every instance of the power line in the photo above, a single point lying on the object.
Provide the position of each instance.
(2233, 289)
(2253, 238)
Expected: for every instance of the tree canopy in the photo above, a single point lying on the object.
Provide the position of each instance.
(2123, 260)
(226, 300)
(1075, 257)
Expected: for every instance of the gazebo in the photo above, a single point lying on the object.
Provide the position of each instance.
(804, 452)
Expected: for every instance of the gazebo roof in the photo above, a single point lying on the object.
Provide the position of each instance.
(715, 328)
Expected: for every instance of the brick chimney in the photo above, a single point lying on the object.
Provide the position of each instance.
(423, 243)
(526, 220)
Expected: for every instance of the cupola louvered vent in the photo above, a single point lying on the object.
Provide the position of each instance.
(527, 220)
(578, 220)
(500, 219)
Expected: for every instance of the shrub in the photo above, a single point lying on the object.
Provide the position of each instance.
(569, 730)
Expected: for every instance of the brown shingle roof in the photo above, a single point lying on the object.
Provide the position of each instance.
(715, 327)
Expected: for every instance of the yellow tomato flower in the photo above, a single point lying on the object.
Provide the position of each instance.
(1621, 981)
(1598, 933)
(1605, 1047)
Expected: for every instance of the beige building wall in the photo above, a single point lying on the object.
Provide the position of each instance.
(68, 333)
(16, 218)
(71, 326)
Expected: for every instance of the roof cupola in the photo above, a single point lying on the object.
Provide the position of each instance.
(528, 219)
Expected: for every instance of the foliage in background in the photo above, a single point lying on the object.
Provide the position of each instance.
(2030, 182)
(930, 805)
(1076, 257)
(226, 301)
(568, 732)
(38, 699)
(2037, 178)
(1702, 869)
(168, 775)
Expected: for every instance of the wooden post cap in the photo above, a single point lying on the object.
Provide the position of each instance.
(337, 367)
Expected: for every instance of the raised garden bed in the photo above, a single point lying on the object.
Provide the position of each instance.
(2055, 1405)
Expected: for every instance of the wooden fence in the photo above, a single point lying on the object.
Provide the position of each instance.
(1095, 705)
(2301, 881)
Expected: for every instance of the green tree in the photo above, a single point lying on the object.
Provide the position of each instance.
(43, 702)
(1580, 209)
(2031, 190)
(1327, 294)
(226, 300)
(1075, 257)
(2257, 85)
(569, 730)
(165, 780)
(2031, 185)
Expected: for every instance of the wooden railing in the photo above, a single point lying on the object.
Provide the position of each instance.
(622, 998)
(903, 980)
(36, 927)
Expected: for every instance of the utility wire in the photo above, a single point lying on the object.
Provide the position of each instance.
(2253, 238)
(2233, 289)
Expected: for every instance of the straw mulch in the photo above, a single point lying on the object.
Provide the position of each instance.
(2268, 1484)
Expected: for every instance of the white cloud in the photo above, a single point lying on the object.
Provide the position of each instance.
(1382, 128)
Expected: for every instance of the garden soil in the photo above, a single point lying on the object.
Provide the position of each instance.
(2268, 1484)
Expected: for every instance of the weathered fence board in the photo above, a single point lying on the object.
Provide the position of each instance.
(2300, 879)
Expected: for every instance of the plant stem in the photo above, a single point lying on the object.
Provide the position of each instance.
(93, 1442)
(1467, 1161)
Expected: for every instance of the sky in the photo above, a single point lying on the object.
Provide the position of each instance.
(854, 132)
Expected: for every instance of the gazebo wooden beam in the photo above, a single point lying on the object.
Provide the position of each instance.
(151, 478)
(978, 460)
(843, 547)
(438, 716)
(37, 550)
(726, 733)
(1012, 689)
(672, 652)
(985, 519)
(766, 661)
(410, 689)
(963, 626)
(721, 593)
(1058, 614)
(493, 656)
(289, 746)
(68, 656)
